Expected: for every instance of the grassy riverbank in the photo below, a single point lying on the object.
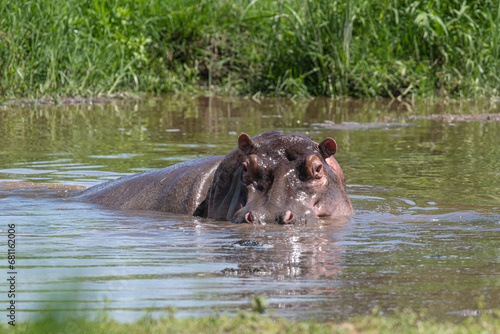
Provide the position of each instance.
(296, 48)
(254, 323)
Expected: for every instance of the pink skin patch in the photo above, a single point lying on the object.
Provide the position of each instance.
(335, 166)
(249, 217)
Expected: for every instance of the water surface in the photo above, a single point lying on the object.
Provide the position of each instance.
(426, 193)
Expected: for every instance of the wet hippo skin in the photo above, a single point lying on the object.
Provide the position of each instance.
(270, 178)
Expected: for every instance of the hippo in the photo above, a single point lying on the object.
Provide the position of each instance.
(270, 178)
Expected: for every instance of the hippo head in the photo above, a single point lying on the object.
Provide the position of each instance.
(277, 178)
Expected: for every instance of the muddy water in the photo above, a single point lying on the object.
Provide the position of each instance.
(426, 192)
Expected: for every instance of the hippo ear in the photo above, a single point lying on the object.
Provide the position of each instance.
(246, 144)
(328, 147)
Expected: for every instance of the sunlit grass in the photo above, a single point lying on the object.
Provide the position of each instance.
(245, 322)
(294, 48)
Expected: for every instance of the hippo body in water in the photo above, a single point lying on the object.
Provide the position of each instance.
(270, 178)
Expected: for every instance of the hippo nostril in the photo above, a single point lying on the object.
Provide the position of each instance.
(288, 216)
(248, 217)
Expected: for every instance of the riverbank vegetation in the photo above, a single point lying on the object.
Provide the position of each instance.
(363, 48)
(245, 322)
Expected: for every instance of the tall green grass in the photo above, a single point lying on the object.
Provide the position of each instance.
(389, 48)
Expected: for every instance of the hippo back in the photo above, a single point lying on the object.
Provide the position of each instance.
(178, 189)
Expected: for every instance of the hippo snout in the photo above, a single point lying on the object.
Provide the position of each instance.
(282, 218)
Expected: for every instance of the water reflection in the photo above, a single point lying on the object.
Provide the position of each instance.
(425, 193)
(290, 252)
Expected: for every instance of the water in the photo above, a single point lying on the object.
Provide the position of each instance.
(425, 235)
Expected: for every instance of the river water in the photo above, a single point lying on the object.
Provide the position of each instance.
(425, 234)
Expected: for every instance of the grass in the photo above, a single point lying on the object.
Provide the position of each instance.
(255, 321)
(245, 322)
(363, 48)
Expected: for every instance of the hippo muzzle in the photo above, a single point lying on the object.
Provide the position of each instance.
(261, 216)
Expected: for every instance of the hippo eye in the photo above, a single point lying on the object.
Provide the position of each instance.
(249, 170)
(312, 168)
(246, 177)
